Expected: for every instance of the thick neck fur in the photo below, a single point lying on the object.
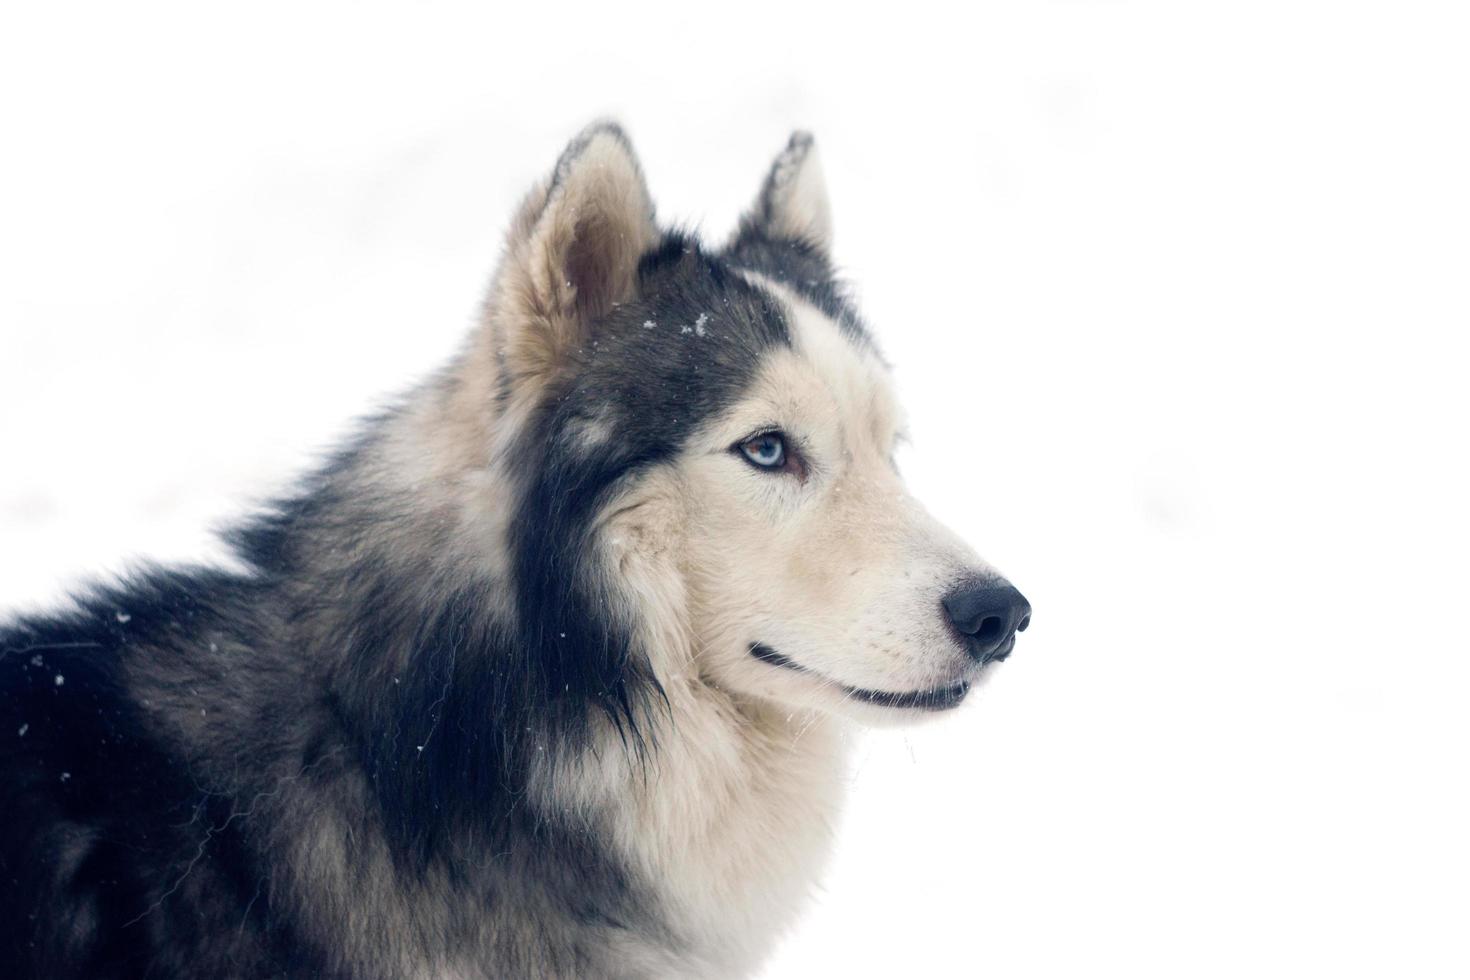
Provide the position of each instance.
(708, 824)
(454, 719)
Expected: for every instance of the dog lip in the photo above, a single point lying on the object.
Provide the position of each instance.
(765, 654)
(931, 699)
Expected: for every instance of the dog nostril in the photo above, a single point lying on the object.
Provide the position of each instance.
(990, 629)
(1021, 628)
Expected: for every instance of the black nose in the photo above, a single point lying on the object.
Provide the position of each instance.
(988, 616)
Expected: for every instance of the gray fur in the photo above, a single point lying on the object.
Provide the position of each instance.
(449, 721)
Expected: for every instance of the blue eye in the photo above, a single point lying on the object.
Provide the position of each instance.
(767, 451)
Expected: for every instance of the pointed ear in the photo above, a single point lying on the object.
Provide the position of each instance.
(573, 251)
(793, 201)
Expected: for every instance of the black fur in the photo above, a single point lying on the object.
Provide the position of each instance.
(171, 747)
(652, 385)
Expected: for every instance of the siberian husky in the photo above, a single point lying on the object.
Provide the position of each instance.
(546, 673)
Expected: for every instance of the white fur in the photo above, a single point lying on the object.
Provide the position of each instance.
(842, 573)
(731, 815)
(795, 198)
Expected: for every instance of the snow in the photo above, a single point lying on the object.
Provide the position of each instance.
(1174, 296)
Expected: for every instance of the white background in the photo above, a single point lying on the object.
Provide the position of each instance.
(1177, 296)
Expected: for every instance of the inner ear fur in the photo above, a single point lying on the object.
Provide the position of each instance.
(573, 251)
(793, 204)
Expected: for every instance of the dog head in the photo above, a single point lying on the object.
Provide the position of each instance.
(703, 441)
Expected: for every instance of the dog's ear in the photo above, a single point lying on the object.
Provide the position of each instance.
(793, 204)
(573, 251)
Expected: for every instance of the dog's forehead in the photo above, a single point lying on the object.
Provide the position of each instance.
(829, 370)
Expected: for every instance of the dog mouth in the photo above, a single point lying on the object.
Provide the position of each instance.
(928, 699)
